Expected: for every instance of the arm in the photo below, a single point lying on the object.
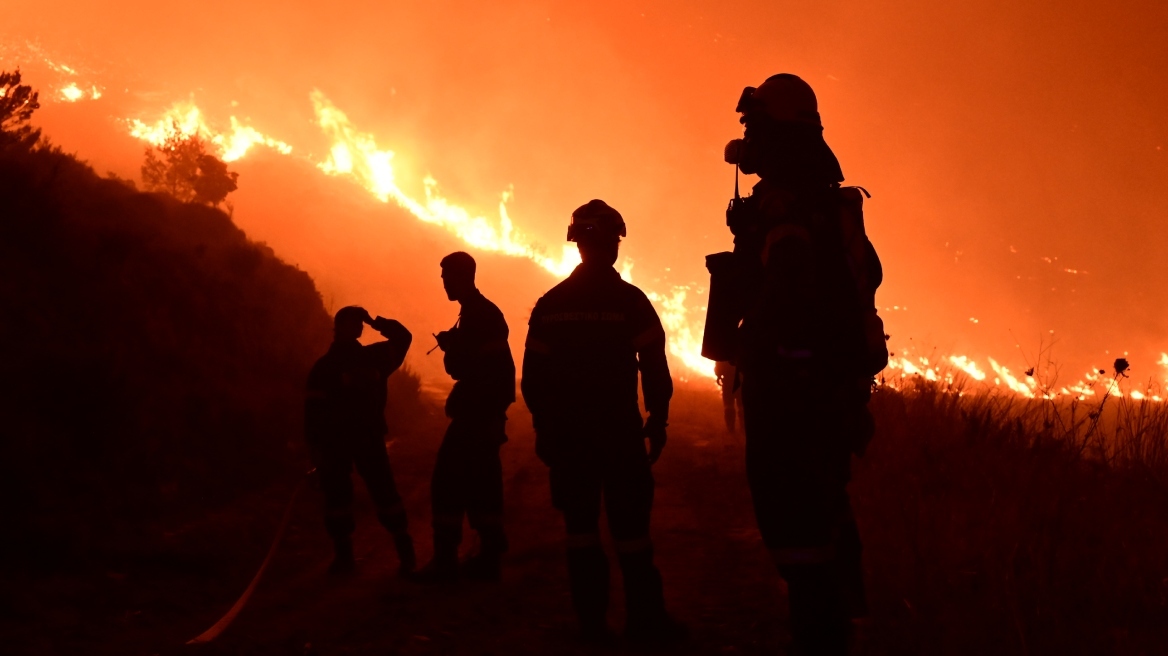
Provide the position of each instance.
(391, 353)
(656, 383)
(537, 369)
(535, 385)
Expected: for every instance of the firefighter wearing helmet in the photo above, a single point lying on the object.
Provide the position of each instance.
(588, 339)
(794, 307)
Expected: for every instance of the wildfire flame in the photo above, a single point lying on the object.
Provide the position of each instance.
(72, 93)
(356, 155)
(186, 119)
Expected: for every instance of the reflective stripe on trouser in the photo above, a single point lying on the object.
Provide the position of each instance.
(619, 477)
(798, 456)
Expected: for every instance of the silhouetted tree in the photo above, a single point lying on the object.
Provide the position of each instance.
(17, 103)
(182, 167)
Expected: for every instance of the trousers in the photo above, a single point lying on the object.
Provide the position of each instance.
(335, 465)
(468, 482)
(613, 470)
(799, 442)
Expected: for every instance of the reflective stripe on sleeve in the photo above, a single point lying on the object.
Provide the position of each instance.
(648, 337)
(582, 540)
(780, 232)
(637, 545)
(494, 346)
(537, 346)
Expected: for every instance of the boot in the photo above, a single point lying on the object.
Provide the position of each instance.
(486, 565)
(343, 560)
(406, 558)
(647, 621)
(443, 567)
(588, 576)
(819, 623)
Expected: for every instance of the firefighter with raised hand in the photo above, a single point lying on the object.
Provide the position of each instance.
(345, 427)
(588, 339)
(795, 308)
(468, 475)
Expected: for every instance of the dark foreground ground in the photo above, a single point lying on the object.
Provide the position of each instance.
(981, 535)
(717, 575)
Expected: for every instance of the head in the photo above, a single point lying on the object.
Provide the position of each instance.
(458, 275)
(597, 229)
(349, 323)
(783, 140)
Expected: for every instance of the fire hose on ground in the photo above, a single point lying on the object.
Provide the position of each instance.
(219, 627)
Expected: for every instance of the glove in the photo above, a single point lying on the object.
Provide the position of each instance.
(654, 431)
(445, 339)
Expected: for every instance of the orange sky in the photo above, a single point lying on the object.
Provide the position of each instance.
(992, 135)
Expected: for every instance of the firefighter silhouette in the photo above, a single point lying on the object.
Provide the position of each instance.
(345, 427)
(793, 306)
(588, 339)
(468, 475)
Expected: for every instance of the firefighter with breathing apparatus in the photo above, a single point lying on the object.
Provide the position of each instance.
(793, 306)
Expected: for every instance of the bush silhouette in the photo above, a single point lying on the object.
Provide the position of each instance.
(182, 167)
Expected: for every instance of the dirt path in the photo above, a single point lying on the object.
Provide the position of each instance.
(717, 575)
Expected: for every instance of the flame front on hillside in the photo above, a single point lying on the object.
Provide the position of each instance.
(356, 154)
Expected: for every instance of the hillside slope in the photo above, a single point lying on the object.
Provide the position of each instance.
(153, 356)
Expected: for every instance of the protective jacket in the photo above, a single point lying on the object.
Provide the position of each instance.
(347, 388)
(809, 308)
(587, 339)
(478, 358)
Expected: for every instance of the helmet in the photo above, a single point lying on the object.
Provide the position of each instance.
(785, 98)
(595, 219)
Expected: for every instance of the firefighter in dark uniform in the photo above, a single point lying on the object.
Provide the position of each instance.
(468, 475)
(804, 355)
(588, 339)
(345, 427)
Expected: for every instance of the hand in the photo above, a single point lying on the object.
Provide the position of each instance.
(655, 432)
(365, 316)
(387, 327)
(445, 339)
